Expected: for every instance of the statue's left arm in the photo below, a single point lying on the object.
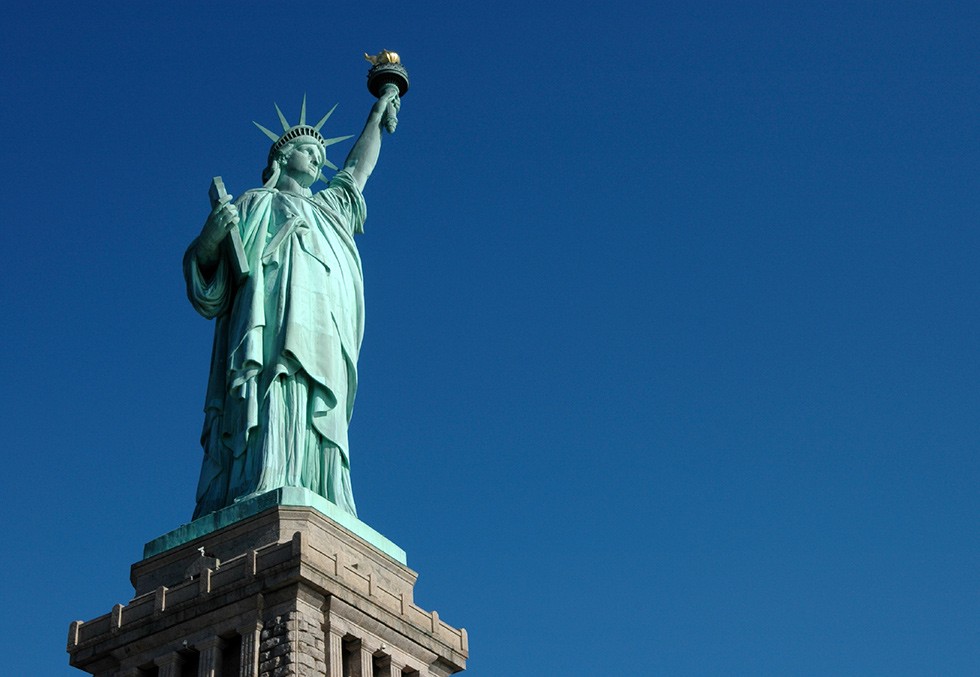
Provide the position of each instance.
(364, 155)
(208, 289)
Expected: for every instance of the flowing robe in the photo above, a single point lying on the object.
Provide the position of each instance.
(284, 359)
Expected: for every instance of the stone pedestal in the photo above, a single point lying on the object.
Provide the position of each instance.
(284, 593)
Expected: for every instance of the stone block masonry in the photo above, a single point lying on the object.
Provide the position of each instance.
(303, 599)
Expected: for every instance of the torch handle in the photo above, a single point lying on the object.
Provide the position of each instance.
(390, 117)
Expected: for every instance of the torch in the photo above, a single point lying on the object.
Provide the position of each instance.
(387, 71)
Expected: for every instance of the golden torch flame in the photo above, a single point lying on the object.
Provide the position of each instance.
(384, 56)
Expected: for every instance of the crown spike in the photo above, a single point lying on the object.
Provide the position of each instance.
(302, 111)
(282, 118)
(328, 163)
(324, 118)
(270, 134)
(336, 139)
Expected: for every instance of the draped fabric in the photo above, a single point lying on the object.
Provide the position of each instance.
(284, 360)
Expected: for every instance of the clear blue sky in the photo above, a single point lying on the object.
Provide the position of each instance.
(671, 363)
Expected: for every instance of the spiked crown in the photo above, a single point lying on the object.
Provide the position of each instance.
(299, 131)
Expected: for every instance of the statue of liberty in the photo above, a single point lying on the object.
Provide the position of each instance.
(289, 318)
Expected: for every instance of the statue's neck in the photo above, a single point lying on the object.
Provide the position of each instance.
(288, 184)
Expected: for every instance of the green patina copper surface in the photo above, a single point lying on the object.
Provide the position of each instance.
(287, 496)
(278, 271)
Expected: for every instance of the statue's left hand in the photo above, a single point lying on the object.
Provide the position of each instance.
(221, 221)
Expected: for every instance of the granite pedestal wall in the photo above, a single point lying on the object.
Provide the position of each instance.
(285, 593)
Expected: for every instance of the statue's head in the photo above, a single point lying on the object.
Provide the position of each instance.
(303, 139)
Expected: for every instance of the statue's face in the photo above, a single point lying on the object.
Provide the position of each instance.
(303, 164)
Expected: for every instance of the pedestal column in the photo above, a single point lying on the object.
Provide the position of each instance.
(169, 665)
(249, 655)
(209, 664)
(335, 653)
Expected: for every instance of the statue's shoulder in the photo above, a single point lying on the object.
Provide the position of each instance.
(342, 179)
(254, 193)
(254, 196)
(340, 186)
